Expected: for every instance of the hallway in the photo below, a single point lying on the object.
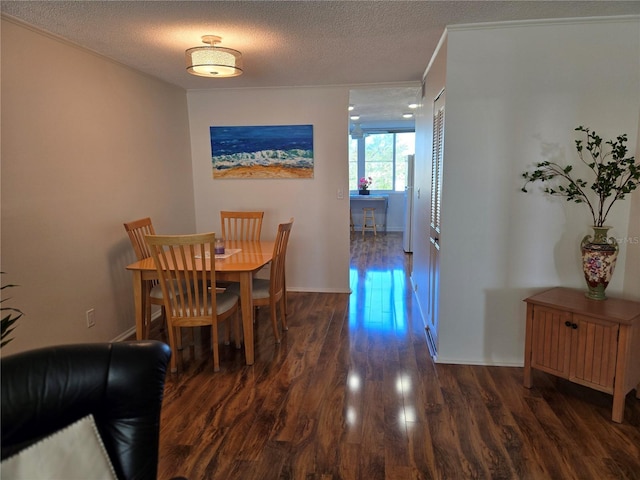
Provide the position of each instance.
(379, 279)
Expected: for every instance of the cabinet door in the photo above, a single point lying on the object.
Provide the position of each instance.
(594, 353)
(551, 341)
(437, 159)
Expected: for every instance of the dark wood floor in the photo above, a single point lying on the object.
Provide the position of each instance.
(351, 393)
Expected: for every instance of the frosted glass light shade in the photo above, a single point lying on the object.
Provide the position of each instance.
(211, 61)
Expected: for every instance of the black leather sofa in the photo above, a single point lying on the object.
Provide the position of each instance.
(120, 384)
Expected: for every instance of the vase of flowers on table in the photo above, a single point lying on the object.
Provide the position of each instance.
(364, 184)
(615, 175)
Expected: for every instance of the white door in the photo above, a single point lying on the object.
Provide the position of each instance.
(437, 158)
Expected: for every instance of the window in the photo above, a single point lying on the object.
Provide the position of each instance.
(353, 163)
(383, 157)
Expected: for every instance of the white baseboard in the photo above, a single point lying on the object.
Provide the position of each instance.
(482, 363)
(380, 228)
(125, 335)
(318, 290)
(132, 331)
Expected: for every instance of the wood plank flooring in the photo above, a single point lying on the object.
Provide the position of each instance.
(351, 393)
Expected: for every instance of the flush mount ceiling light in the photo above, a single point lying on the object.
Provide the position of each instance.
(212, 61)
(407, 115)
(355, 117)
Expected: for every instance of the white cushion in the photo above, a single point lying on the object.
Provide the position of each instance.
(156, 292)
(75, 452)
(224, 301)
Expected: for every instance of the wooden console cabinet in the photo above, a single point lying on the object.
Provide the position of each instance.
(595, 343)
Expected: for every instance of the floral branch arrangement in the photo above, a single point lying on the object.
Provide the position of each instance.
(616, 175)
(9, 319)
(365, 183)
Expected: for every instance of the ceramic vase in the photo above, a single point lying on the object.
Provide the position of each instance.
(599, 256)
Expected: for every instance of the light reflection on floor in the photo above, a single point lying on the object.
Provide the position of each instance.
(380, 326)
(377, 300)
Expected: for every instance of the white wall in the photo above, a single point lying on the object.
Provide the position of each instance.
(515, 92)
(395, 212)
(632, 240)
(87, 144)
(318, 252)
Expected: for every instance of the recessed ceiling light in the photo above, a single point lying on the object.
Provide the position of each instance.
(413, 106)
(351, 107)
(355, 117)
(407, 115)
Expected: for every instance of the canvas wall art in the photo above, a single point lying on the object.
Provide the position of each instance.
(273, 151)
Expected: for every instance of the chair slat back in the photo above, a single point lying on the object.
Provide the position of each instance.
(137, 230)
(241, 225)
(277, 275)
(186, 270)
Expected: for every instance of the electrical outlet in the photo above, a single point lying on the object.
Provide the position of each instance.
(91, 318)
(340, 194)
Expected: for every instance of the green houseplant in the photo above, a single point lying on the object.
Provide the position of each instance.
(10, 316)
(614, 175)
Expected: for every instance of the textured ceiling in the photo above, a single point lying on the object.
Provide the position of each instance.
(284, 43)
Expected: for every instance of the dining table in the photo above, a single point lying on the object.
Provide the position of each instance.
(240, 262)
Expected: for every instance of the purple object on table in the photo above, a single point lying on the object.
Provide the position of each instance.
(219, 246)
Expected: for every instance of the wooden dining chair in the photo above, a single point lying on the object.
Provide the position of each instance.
(272, 292)
(186, 271)
(241, 225)
(137, 230)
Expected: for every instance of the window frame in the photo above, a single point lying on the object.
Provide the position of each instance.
(361, 160)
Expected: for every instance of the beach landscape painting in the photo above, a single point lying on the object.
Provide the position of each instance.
(272, 151)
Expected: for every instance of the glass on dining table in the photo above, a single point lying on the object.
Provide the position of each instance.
(219, 246)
